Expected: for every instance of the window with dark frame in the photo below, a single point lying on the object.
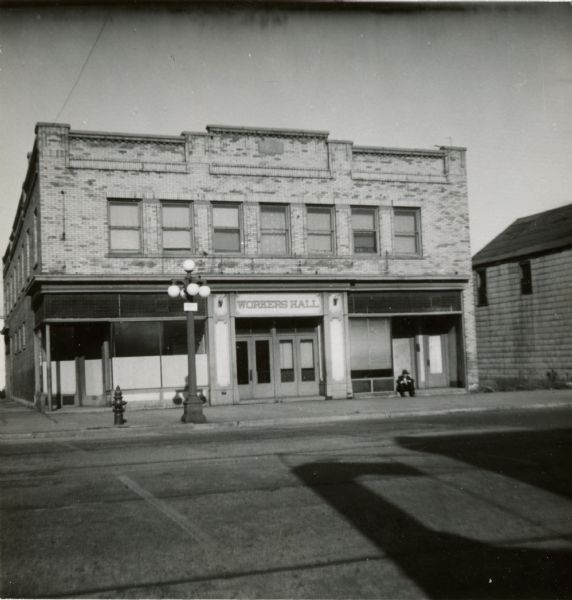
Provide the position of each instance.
(274, 229)
(482, 299)
(320, 229)
(176, 220)
(406, 231)
(124, 226)
(364, 228)
(226, 228)
(525, 278)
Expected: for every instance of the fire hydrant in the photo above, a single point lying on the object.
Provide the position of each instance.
(118, 405)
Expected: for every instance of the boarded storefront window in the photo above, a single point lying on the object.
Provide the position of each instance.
(370, 358)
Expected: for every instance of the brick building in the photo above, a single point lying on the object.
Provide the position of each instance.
(523, 290)
(332, 267)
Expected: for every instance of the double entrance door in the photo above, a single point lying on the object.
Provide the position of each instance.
(277, 366)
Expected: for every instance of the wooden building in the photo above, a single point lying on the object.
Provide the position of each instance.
(523, 294)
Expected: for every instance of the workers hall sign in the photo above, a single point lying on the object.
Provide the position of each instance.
(278, 305)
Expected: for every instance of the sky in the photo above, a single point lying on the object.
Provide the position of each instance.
(495, 79)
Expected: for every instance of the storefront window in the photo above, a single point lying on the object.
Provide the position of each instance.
(174, 362)
(370, 340)
(76, 361)
(136, 362)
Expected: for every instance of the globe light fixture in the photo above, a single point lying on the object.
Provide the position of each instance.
(174, 291)
(204, 291)
(193, 289)
(189, 265)
(187, 290)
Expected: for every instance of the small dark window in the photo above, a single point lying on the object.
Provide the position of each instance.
(525, 278)
(482, 288)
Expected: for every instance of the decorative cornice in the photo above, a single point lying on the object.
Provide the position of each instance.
(128, 137)
(267, 132)
(399, 151)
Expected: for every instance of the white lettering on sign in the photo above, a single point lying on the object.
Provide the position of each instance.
(278, 305)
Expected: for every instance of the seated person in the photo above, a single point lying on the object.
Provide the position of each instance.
(405, 383)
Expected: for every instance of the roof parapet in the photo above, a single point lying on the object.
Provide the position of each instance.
(267, 131)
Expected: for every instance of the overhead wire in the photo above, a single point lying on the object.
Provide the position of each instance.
(78, 78)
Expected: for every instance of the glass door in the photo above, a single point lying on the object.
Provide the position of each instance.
(288, 381)
(436, 361)
(254, 368)
(297, 371)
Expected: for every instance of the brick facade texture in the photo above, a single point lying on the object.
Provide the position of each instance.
(78, 172)
(525, 340)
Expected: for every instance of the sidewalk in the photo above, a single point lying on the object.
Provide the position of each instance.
(19, 422)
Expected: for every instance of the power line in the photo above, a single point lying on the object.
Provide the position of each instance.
(83, 67)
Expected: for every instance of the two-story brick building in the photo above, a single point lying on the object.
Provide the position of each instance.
(523, 290)
(332, 267)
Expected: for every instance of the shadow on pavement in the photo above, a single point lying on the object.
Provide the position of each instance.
(538, 458)
(443, 565)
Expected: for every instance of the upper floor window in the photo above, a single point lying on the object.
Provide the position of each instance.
(482, 299)
(36, 241)
(406, 231)
(19, 278)
(226, 228)
(124, 226)
(364, 228)
(29, 257)
(177, 226)
(274, 230)
(320, 232)
(525, 278)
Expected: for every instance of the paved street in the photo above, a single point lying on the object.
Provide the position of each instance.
(443, 506)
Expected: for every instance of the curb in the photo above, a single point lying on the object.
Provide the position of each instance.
(112, 431)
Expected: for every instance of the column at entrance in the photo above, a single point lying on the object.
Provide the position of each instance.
(222, 376)
(336, 347)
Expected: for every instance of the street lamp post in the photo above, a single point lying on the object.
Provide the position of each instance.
(192, 405)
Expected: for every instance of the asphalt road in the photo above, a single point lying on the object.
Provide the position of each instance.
(471, 506)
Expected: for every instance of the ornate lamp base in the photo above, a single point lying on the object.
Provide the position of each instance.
(193, 410)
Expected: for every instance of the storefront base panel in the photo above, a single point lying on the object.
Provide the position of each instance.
(335, 391)
(223, 397)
